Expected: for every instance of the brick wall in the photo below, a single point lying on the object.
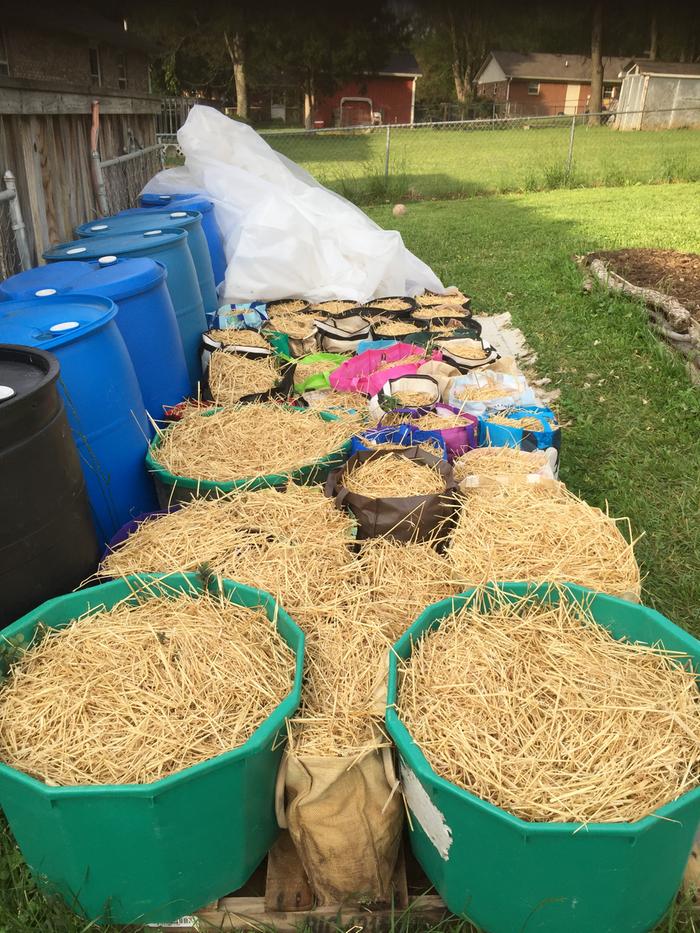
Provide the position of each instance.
(390, 95)
(64, 59)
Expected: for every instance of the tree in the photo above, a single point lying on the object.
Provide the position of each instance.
(596, 102)
(318, 46)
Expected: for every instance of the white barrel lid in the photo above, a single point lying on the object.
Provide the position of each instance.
(100, 227)
(179, 214)
(107, 260)
(152, 232)
(44, 292)
(76, 249)
(6, 392)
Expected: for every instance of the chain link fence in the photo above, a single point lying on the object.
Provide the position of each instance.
(458, 158)
(119, 181)
(14, 252)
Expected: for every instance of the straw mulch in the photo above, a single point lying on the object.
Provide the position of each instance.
(414, 399)
(540, 711)
(293, 306)
(430, 421)
(130, 695)
(537, 535)
(331, 399)
(395, 328)
(246, 441)
(231, 336)
(480, 393)
(334, 307)
(304, 370)
(293, 544)
(380, 477)
(428, 312)
(294, 325)
(498, 461)
(428, 299)
(467, 348)
(231, 376)
(391, 304)
(527, 423)
(346, 651)
(404, 361)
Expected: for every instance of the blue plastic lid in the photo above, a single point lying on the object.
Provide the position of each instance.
(156, 237)
(195, 202)
(107, 276)
(108, 226)
(51, 322)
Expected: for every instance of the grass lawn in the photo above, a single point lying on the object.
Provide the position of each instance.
(434, 163)
(633, 434)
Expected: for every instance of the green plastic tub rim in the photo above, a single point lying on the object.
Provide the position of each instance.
(411, 754)
(335, 458)
(159, 584)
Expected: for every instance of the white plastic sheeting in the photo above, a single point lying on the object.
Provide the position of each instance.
(285, 235)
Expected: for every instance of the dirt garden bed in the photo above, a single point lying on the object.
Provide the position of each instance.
(667, 282)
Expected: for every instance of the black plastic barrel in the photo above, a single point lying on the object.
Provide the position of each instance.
(47, 538)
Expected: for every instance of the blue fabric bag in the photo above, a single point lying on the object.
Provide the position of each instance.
(404, 435)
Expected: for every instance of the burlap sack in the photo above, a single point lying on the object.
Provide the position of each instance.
(345, 820)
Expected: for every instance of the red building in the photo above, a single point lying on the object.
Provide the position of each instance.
(542, 84)
(385, 97)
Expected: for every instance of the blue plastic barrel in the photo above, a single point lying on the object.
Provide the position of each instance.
(170, 248)
(101, 394)
(191, 221)
(146, 317)
(196, 202)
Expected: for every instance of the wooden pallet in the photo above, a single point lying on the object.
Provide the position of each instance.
(288, 904)
(279, 897)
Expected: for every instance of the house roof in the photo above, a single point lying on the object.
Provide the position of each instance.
(77, 20)
(550, 66)
(401, 63)
(645, 67)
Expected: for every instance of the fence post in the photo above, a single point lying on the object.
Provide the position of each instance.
(20, 231)
(388, 149)
(570, 156)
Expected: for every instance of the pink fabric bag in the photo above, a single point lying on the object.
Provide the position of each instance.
(362, 374)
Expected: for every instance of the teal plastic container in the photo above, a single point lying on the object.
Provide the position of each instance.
(141, 853)
(171, 488)
(139, 219)
(506, 874)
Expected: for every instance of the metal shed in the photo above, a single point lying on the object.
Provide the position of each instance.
(659, 96)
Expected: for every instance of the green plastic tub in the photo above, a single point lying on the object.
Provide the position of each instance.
(508, 875)
(153, 852)
(171, 488)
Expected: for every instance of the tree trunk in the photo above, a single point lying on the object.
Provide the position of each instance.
(461, 88)
(234, 46)
(654, 38)
(596, 102)
(309, 103)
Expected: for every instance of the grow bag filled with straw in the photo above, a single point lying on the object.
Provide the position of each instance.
(232, 377)
(479, 391)
(250, 446)
(592, 781)
(368, 372)
(406, 494)
(209, 673)
(466, 353)
(401, 436)
(313, 372)
(342, 334)
(458, 429)
(412, 391)
(291, 333)
(486, 466)
(393, 307)
(529, 428)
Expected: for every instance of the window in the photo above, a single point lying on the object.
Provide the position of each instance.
(121, 71)
(533, 87)
(4, 63)
(95, 69)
